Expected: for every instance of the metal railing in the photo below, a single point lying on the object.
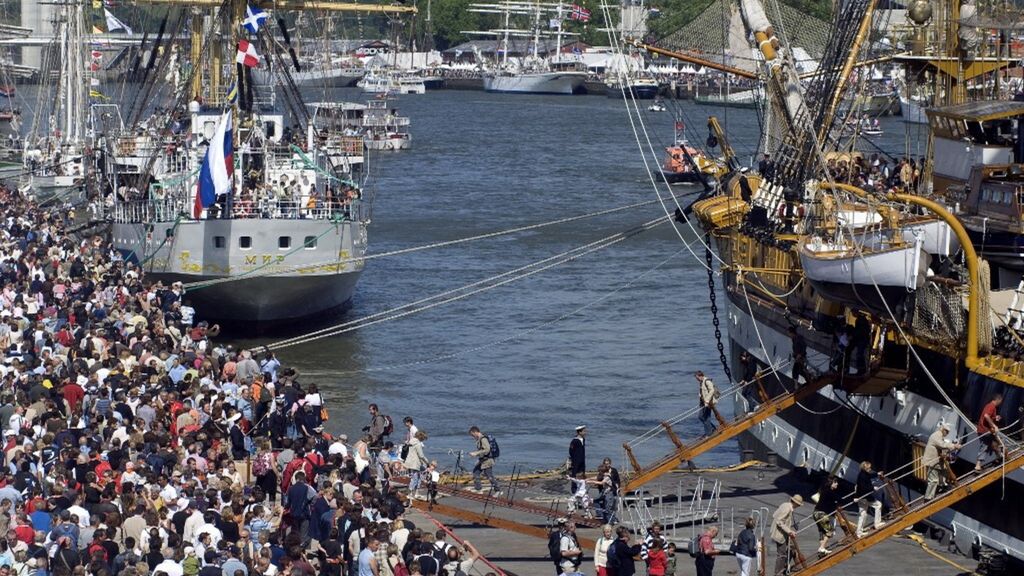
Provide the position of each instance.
(170, 209)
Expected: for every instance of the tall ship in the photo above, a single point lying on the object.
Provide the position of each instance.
(882, 303)
(229, 187)
(532, 72)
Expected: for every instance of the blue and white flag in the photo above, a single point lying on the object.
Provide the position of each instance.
(254, 18)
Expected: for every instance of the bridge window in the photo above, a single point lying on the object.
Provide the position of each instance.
(284, 242)
(245, 242)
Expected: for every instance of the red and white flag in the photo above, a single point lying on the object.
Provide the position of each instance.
(247, 54)
(579, 13)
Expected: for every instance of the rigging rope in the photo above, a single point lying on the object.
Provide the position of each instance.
(403, 251)
(468, 290)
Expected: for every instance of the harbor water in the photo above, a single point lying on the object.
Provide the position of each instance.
(514, 360)
(517, 360)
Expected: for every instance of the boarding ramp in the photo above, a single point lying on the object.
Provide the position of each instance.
(905, 514)
(726, 430)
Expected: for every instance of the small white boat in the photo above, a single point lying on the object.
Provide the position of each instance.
(872, 132)
(391, 83)
(656, 107)
(877, 278)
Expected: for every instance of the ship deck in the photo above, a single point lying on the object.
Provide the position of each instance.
(742, 490)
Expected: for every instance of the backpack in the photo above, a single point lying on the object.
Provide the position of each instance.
(695, 546)
(495, 450)
(555, 545)
(612, 561)
(261, 393)
(399, 569)
(389, 425)
(261, 465)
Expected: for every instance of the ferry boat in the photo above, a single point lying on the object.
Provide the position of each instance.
(283, 241)
(391, 83)
(378, 124)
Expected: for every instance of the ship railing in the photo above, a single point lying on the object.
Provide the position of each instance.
(347, 145)
(382, 121)
(295, 209)
(155, 210)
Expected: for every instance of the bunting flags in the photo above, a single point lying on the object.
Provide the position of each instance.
(247, 54)
(254, 18)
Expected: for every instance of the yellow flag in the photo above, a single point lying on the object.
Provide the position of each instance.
(97, 30)
(97, 4)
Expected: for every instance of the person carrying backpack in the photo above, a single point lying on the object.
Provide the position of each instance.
(620, 554)
(555, 545)
(703, 551)
(486, 453)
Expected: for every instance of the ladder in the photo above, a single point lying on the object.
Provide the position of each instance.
(908, 513)
(725, 431)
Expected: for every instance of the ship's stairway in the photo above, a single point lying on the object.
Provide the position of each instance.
(508, 510)
(906, 514)
(685, 451)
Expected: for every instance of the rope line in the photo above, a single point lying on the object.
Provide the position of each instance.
(468, 290)
(412, 249)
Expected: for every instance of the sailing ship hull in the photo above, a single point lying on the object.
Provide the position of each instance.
(539, 83)
(816, 433)
(317, 275)
(913, 113)
(317, 77)
(639, 91)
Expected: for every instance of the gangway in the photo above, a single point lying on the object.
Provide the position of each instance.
(909, 513)
(643, 510)
(725, 431)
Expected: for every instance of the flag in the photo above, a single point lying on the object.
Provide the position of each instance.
(254, 18)
(247, 54)
(114, 24)
(97, 95)
(96, 29)
(218, 166)
(579, 13)
(232, 94)
(97, 4)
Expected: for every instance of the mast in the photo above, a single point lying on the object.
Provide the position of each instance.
(536, 31)
(504, 40)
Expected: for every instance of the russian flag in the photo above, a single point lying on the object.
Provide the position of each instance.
(218, 166)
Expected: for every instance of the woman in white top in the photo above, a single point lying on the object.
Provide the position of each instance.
(601, 550)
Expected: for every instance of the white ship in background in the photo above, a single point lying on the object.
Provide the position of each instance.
(531, 73)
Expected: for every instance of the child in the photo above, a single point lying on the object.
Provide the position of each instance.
(670, 567)
(433, 477)
(581, 499)
(657, 560)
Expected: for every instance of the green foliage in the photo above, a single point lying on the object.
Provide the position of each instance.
(674, 14)
(449, 19)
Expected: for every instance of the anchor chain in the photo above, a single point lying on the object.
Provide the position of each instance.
(714, 306)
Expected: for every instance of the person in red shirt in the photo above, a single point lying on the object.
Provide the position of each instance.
(24, 529)
(73, 394)
(988, 430)
(657, 559)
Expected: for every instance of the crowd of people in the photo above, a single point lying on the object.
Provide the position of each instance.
(137, 444)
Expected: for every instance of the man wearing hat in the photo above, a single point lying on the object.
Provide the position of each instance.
(578, 454)
(934, 453)
(784, 532)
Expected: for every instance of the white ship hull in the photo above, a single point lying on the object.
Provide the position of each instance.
(535, 83)
(913, 113)
(336, 77)
(312, 281)
(797, 436)
(393, 142)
